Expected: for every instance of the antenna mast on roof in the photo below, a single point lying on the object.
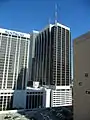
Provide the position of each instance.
(55, 13)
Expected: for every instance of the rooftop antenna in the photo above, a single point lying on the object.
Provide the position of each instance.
(55, 13)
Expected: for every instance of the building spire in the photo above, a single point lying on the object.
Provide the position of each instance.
(55, 13)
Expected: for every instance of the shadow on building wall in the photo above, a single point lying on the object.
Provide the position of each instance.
(21, 86)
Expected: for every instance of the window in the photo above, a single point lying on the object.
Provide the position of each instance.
(80, 83)
(86, 74)
(88, 92)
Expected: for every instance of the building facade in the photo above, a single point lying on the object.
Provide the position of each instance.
(37, 98)
(81, 88)
(52, 61)
(61, 97)
(14, 56)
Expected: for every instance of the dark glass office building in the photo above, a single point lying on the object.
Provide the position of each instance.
(52, 60)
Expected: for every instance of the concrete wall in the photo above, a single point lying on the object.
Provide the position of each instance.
(19, 99)
(81, 79)
(47, 100)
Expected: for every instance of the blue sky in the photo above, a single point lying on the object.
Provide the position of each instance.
(26, 15)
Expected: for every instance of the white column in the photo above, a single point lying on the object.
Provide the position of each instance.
(46, 56)
(0, 40)
(24, 62)
(65, 57)
(15, 63)
(36, 59)
(56, 52)
(49, 54)
(61, 56)
(0, 47)
(48, 98)
(65, 96)
(18, 63)
(69, 56)
(8, 62)
(27, 72)
(5, 62)
(42, 62)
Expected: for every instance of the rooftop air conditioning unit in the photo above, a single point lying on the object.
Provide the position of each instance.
(35, 84)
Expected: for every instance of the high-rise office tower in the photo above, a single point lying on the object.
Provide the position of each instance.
(53, 56)
(14, 56)
(52, 63)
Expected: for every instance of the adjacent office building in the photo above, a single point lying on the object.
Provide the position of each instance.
(14, 56)
(81, 93)
(52, 62)
(53, 56)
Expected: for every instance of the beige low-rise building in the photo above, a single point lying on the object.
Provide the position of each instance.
(82, 77)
